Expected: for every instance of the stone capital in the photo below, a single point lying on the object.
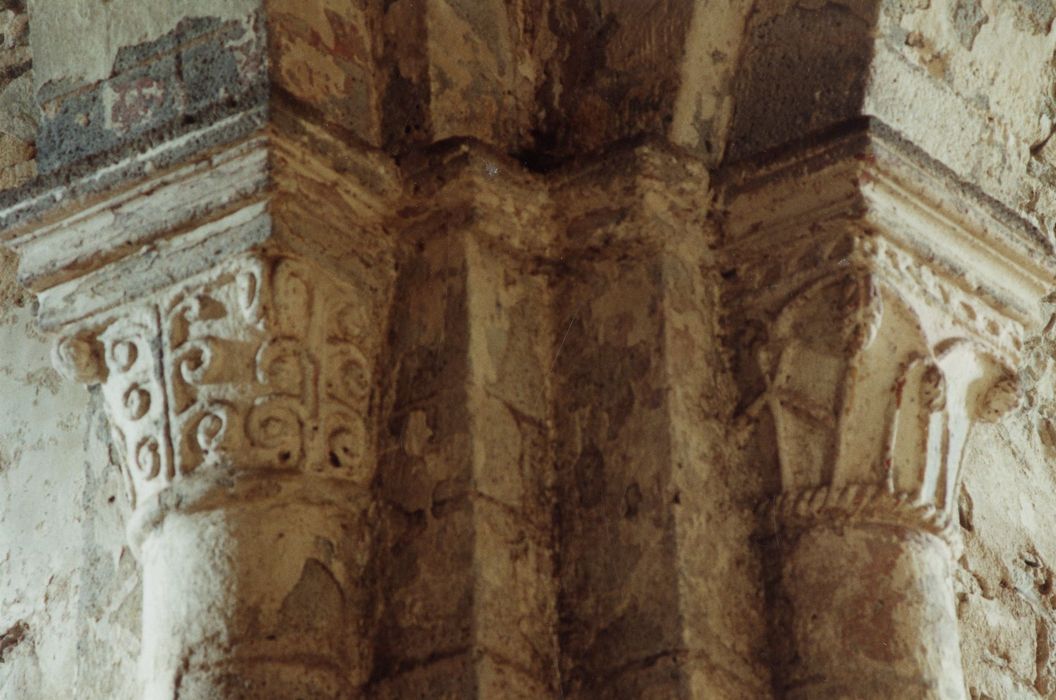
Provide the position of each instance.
(231, 310)
(231, 307)
(879, 307)
(262, 367)
(886, 314)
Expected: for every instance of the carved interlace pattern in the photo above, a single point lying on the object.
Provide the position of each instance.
(262, 364)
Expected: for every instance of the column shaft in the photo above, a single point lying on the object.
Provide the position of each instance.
(866, 611)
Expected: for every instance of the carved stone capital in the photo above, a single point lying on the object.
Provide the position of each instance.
(878, 308)
(884, 311)
(262, 364)
(868, 393)
(231, 308)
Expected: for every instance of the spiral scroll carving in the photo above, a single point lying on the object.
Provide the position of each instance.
(263, 363)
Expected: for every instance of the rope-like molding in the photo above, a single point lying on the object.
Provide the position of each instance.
(857, 503)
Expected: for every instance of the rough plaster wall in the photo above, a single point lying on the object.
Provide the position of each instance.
(138, 73)
(106, 27)
(1006, 596)
(990, 65)
(69, 595)
(984, 69)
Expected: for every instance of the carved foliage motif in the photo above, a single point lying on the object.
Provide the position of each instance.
(870, 396)
(265, 363)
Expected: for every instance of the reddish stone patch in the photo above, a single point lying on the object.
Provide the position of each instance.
(872, 630)
(12, 638)
(135, 102)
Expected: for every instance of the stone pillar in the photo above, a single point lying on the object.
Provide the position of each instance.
(240, 401)
(659, 591)
(467, 595)
(866, 359)
(870, 419)
(869, 612)
(233, 317)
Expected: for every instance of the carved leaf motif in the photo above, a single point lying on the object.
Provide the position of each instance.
(345, 441)
(347, 378)
(197, 308)
(352, 322)
(252, 369)
(207, 435)
(933, 389)
(134, 398)
(292, 299)
(211, 430)
(344, 447)
(247, 285)
(191, 362)
(122, 355)
(915, 445)
(903, 403)
(865, 304)
(283, 365)
(1003, 397)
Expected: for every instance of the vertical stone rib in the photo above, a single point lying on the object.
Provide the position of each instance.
(652, 518)
(718, 573)
(469, 584)
(515, 613)
(620, 606)
(425, 633)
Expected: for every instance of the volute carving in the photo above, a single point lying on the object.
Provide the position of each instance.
(263, 363)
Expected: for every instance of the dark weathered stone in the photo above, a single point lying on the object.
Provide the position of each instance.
(814, 63)
(200, 72)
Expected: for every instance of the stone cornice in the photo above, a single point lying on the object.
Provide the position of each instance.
(866, 189)
(233, 306)
(48, 197)
(78, 236)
